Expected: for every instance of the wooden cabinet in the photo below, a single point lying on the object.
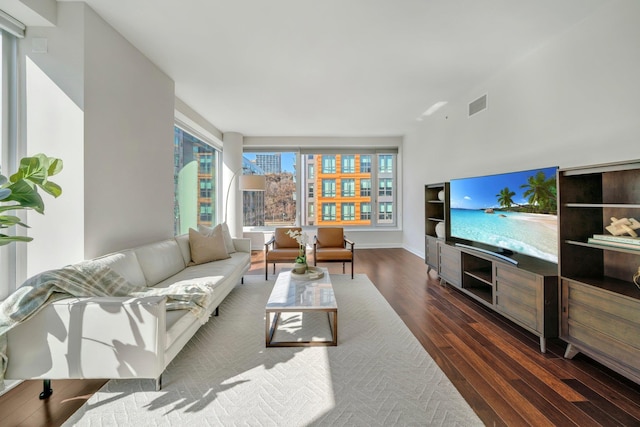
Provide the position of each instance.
(431, 252)
(526, 294)
(436, 210)
(449, 265)
(600, 303)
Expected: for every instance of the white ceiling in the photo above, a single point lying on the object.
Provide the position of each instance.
(332, 67)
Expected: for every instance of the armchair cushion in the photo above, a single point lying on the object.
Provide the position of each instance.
(330, 237)
(283, 240)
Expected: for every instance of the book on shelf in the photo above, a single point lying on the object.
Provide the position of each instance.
(614, 244)
(621, 239)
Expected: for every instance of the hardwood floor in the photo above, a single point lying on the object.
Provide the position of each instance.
(496, 365)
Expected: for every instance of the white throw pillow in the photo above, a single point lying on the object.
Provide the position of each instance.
(206, 248)
(226, 234)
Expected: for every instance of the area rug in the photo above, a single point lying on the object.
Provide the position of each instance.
(379, 374)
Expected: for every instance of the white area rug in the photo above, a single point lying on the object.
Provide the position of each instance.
(379, 374)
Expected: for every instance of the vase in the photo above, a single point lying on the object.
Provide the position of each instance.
(300, 267)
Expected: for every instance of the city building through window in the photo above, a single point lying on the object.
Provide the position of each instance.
(328, 195)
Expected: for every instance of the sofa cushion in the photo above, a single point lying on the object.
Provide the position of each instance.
(126, 264)
(226, 234)
(160, 260)
(207, 248)
(183, 243)
(228, 240)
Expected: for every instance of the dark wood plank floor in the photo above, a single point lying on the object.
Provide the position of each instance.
(496, 365)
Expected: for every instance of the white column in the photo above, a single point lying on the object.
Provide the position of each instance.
(232, 163)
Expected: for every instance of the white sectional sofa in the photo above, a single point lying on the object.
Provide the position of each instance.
(122, 337)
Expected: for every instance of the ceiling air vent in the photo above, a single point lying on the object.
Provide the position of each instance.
(478, 105)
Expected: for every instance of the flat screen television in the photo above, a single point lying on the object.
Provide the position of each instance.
(507, 213)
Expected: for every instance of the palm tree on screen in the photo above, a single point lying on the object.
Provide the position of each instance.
(505, 197)
(541, 192)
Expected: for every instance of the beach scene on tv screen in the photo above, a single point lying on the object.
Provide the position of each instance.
(516, 211)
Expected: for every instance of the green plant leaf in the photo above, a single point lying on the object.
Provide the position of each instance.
(5, 208)
(26, 196)
(55, 166)
(52, 188)
(9, 220)
(5, 240)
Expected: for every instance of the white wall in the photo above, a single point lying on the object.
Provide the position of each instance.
(96, 102)
(52, 87)
(574, 101)
(129, 113)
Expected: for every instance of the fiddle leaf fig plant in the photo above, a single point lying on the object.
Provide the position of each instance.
(20, 192)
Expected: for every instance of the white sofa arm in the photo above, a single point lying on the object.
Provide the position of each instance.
(242, 245)
(98, 337)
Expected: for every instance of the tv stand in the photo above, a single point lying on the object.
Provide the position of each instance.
(526, 293)
(488, 252)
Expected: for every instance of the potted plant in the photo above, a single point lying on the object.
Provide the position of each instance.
(300, 266)
(20, 192)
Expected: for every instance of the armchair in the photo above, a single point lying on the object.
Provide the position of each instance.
(330, 245)
(280, 248)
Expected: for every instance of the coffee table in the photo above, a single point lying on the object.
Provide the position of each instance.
(301, 294)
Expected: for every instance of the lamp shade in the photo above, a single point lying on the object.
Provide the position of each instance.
(253, 183)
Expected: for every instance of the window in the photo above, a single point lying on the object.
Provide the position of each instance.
(348, 187)
(385, 163)
(328, 164)
(385, 187)
(385, 213)
(334, 187)
(278, 205)
(328, 211)
(348, 164)
(348, 211)
(365, 211)
(365, 163)
(205, 188)
(195, 182)
(328, 188)
(10, 257)
(206, 213)
(205, 161)
(365, 187)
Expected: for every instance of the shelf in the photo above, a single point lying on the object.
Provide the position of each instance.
(484, 294)
(603, 205)
(610, 284)
(435, 201)
(436, 219)
(483, 275)
(605, 247)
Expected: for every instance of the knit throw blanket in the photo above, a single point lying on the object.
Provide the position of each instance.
(88, 279)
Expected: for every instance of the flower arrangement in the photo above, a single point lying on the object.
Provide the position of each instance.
(302, 240)
(21, 188)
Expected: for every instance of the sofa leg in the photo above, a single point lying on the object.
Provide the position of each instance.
(46, 389)
(215, 313)
(242, 280)
(159, 383)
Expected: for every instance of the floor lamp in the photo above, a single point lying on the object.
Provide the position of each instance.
(247, 183)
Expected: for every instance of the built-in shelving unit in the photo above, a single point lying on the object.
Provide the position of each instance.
(600, 303)
(436, 209)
